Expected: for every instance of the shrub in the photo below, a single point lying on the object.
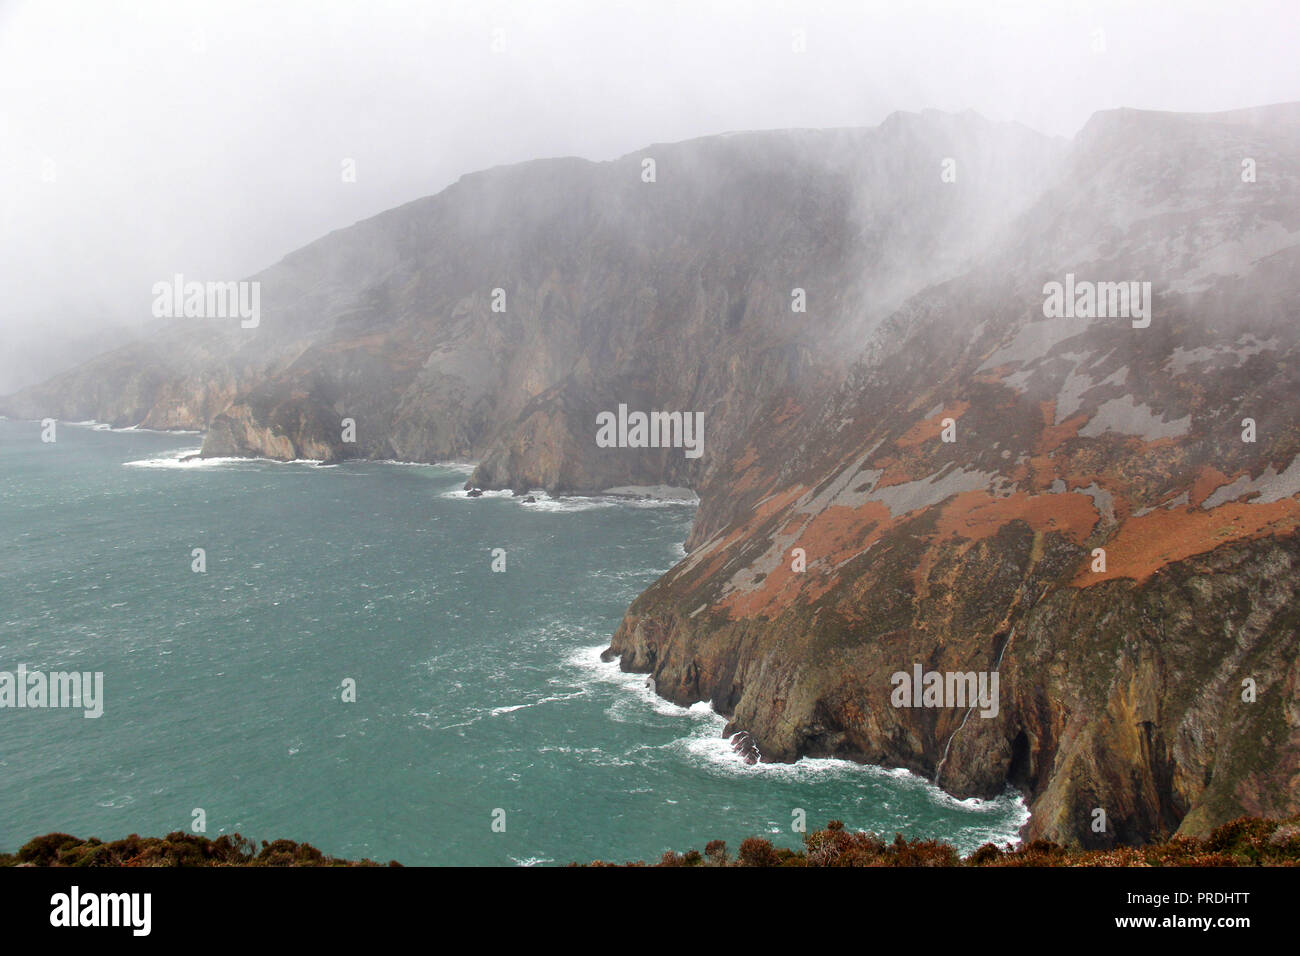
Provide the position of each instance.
(44, 850)
(756, 851)
(986, 854)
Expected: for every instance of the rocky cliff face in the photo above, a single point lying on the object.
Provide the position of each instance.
(1121, 683)
(922, 469)
(675, 294)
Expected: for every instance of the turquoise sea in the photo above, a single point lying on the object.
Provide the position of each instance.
(476, 691)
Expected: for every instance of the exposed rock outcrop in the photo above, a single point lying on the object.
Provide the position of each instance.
(919, 470)
(671, 295)
(1126, 681)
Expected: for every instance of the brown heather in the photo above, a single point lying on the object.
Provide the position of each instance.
(1248, 841)
(175, 849)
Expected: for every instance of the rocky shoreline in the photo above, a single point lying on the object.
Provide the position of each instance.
(928, 467)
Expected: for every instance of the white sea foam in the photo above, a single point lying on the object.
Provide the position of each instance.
(655, 492)
(105, 427)
(116, 802)
(640, 694)
(549, 505)
(459, 493)
(497, 711)
(178, 460)
(705, 746)
(173, 460)
(569, 504)
(159, 431)
(610, 501)
(463, 467)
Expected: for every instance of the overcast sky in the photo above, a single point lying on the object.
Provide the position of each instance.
(140, 139)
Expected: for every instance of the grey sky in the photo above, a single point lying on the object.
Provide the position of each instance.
(142, 139)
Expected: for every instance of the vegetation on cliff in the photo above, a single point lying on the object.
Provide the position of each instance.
(1247, 841)
(175, 849)
(930, 465)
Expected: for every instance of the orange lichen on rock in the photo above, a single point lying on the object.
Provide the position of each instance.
(1145, 545)
(1052, 436)
(1048, 410)
(974, 515)
(839, 532)
(720, 553)
(1042, 472)
(894, 472)
(744, 461)
(1041, 469)
(748, 480)
(774, 504)
(789, 410)
(829, 538)
(1208, 480)
(977, 514)
(930, 428)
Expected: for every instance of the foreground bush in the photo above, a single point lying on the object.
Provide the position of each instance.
(1248, 841)
(175, 849)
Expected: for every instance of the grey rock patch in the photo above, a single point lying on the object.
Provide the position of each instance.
(1035, 340)
(1181, 359)
(1179, 502)
(1070, 397)
(1102, 500)
(1269, 487)
(1126, 417)
(913, 495)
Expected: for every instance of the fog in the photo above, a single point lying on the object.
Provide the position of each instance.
(139, 140)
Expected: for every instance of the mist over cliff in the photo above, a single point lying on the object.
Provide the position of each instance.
(1098, 506)
(495, 319)
(918, 445)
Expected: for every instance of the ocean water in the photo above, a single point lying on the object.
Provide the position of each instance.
(476, 691)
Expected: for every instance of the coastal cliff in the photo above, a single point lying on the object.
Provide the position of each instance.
(494, 320)
(950, 503)
(920, 469)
